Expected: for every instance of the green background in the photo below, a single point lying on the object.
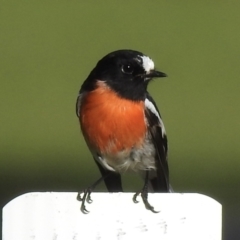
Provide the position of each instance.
(47, 49)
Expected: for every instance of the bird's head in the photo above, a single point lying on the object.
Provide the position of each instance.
(127, 72)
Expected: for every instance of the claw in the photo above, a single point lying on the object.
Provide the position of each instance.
(83, 209)
(144, 195)
(135, 197)
(86, 198)
(79, 198)
(87, 195)
(147, 204)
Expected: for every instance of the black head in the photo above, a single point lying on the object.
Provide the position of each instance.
(127, 72)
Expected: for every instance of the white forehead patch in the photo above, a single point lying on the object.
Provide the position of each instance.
(147, 63)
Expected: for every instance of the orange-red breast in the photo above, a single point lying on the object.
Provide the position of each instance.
(122, 125)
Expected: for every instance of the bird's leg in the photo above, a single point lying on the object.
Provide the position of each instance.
(87, 194)
(144, 195)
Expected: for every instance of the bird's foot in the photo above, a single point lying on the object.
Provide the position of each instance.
(144, 195)
(85, 198)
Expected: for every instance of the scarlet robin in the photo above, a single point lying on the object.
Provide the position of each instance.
(122, 125)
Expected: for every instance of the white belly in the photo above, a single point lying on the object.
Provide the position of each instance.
(136, 159)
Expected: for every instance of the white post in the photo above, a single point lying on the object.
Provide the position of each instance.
(48, 216)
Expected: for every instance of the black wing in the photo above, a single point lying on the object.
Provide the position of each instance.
(160, 183)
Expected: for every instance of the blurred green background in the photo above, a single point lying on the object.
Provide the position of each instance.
(47, 49)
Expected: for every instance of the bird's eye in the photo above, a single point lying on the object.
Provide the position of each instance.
(127, 68)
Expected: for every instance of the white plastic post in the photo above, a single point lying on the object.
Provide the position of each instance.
(57, 216)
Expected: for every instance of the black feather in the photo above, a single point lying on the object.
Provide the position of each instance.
(112, 179)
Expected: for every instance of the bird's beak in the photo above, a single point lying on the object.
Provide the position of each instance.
(155, 74)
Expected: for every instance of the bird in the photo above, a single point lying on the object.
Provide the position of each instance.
(122, 126)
